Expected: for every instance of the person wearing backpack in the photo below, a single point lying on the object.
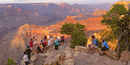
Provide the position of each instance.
(59, 39)
(93, 45)
(56, 43)
(25, 58)
(62, 40)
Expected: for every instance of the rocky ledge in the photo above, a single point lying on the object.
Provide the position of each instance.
(78, 56)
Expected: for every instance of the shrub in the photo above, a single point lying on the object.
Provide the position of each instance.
(10, 62)
(78, 39)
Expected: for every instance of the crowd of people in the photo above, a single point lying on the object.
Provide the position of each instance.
(50, 41)
(45, 44)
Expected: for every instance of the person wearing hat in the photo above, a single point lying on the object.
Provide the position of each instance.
(28, 50)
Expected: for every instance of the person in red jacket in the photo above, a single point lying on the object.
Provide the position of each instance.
(31, 44)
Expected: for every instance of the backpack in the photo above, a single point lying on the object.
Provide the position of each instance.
(42, 40)
(45, 43)
(62, 37)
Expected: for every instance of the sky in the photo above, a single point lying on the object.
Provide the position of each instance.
(61, 1)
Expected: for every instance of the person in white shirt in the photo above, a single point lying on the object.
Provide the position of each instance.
(49, 43)
(25, 58)
(59, 39)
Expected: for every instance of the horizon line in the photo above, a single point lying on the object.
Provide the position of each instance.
(52, 2)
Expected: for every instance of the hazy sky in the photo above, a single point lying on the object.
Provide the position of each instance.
(60, 1)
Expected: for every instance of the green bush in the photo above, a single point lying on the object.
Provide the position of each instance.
(77, 34)
(10, 62)
(78, 39)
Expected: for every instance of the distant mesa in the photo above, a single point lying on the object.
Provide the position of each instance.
(99, 12)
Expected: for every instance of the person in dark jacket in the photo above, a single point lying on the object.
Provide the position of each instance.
(28, 50)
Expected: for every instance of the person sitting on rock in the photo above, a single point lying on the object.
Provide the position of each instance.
(104, 47)
(28, 50)
(39, 49)
(93, 45)
(41, 46)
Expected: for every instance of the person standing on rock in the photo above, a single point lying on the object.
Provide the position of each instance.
(51, 42)
(62, 40)
(25, 58)
(35, 43)
(45, 37)
(93, 45)
(31, 44)
(56, 43)
(44, 45)
(28, 50)
(104, 47)
(59, 39)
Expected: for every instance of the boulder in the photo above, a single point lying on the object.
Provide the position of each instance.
(57, 57)
(49, 53)
(69, 62)
(112, 54)
(31, 64)
(76, 53)
(67, 50)
(68, 56)
(61, 59)
(125, 56)
(50, 61)
(98, 50)
(120, 63)
(79, 48)
(41, 55)
(86, 49)
(34, 57)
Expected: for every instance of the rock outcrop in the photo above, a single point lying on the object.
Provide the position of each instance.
(99, 12)
(125, 56)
